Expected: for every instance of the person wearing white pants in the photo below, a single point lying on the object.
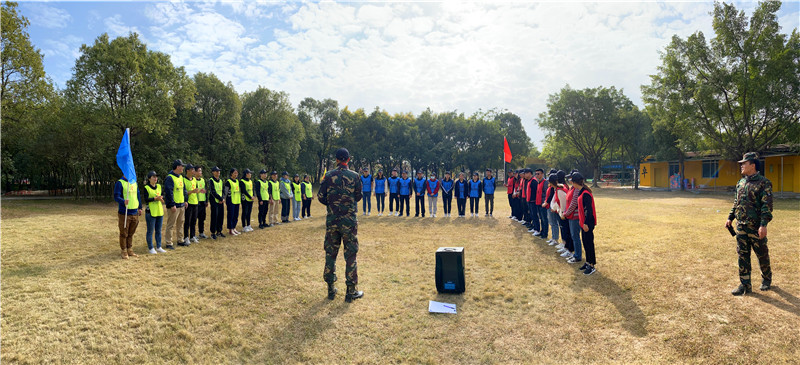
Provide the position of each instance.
(432, 188)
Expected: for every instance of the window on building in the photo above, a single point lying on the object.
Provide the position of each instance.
(674, 168)
(710, 169)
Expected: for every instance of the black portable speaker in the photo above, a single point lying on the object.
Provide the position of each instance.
(450, 270)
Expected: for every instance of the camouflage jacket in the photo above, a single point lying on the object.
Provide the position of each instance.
(340, 191)
(753, 201)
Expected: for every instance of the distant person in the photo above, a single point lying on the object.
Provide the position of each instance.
(175, 197)
(394, 193)
(261, 189)
(202, 201)
(217, 203)
(533, 209)
(752, 209)
(432, 186)
(541, 195)
(130, 208)
(510, 190)
(286, 197)
(297, 197)
(561, 195)
(475, 190)
(233, 197)
(246, 187)
(274, 198)
(419, 194)
(587, 216)
(307, 197)
(489, 185)
(340, 191)
(552, 218)
(572, 217)
(190, 217)
(461, 191)
(154, 212)
(520, 213)
(404, 191)
(380, 192)
(366, 190)
(447, 193)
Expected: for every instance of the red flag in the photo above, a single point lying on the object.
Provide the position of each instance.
(506, 150)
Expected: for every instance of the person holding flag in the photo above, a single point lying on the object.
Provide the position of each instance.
(126, 194)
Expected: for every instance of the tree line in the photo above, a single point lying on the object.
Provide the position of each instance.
(59, 139)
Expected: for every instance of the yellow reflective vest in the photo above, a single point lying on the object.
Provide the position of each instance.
(154, 207)
(236, 194)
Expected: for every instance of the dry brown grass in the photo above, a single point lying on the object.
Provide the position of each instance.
(661, 295)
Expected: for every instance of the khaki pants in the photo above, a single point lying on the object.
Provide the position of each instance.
(126, 231)
(175, 221)
(273, 211)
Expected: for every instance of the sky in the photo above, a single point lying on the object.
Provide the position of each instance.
(399, 56)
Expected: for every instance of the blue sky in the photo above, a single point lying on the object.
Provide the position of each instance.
(400, 56)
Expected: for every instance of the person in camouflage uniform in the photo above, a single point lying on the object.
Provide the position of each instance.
(340, 191)
(752, 209)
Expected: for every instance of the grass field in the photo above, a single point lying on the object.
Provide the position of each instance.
(666, 266)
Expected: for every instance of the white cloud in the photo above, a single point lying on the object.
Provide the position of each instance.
(116, 28)
(47, 16)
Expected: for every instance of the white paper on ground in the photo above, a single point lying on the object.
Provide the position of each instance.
(439, 307)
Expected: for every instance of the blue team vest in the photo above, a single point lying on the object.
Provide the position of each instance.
(380, 186)
(393, 182)
(366, 183)
(473, 188)
(488, 186)
(419, 185)
(462, 193)
(448, 186)
(405, 186)
(432, 186)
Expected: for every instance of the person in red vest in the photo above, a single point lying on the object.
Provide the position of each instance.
(510, 185)
(587, 217)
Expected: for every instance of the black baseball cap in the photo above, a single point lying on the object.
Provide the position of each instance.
(262, 172)
(151, 174)
(215, 168)
(342, 154)
(273, 172)
(189, 166)
(247, 171)
(490, 170)
(177, 163)
(285, 173)
(577, 177)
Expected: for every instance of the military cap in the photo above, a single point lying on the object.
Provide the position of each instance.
(749, 156)
(342, 154)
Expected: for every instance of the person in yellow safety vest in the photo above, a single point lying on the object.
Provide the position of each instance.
(246, 186)
(154, 212)
(233, 196)
(217, 200)
(261, 188)
(307, 197)
(274, 191)
(175, 197)
(130, 208)
(202, 201)
(191, 207)
(297, 196)
(286, 197)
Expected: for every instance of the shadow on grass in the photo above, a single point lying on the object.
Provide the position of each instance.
(304, 327)
(793, 305)
(635, 321)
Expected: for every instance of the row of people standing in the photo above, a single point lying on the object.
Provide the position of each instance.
(185, 195)
(562, 203)
(401, 188)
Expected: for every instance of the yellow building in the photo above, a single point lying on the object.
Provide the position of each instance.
(779, 164)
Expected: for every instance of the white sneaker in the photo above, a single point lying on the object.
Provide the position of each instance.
(195, 239)
(532, 231)
(152, 251)
(561, 250)
(551, 242)
(566, 253)
(186, 241)
(161, 250)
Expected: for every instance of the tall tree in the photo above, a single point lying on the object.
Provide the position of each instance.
(636, 140)
(270, 126)
(322, 115)
(587, 120)
(215, 120)
(741, 90)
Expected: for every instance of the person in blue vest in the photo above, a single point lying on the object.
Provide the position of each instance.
(432, 187)
(419, 193)
(404, 191)
(475, 191)
(394, 188)
(489, 184)
(366, 190)
(130, 208)
(461, 193)
(380, 192)
(447, 193)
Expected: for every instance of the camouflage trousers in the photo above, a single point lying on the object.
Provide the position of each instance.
(746, 240)
(334, 235)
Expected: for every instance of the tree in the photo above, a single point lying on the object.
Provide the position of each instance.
(741, 91)
(271, 128)
(25, 89)
(215, 120)
(636, 140)
(128, 86)
(588, 120)
(322, 116)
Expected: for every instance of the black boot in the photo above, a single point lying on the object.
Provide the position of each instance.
(352, 294)
(741, 290)
(331, 291)
(765, 285)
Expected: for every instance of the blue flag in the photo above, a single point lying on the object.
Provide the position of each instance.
(125, 157)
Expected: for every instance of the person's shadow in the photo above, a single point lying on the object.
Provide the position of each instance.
(635, 321)
(289, 342)
(793, 305)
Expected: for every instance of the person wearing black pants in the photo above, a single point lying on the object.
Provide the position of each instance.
(260, 188)
(587, 218)
(215, 192)
(394, 189)
(447, 193)
(380, 192)
(404, 189)
(190, 221)
(510, 191)
(419, 193)
(202, 197)
(233, 194)
(461, 193)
